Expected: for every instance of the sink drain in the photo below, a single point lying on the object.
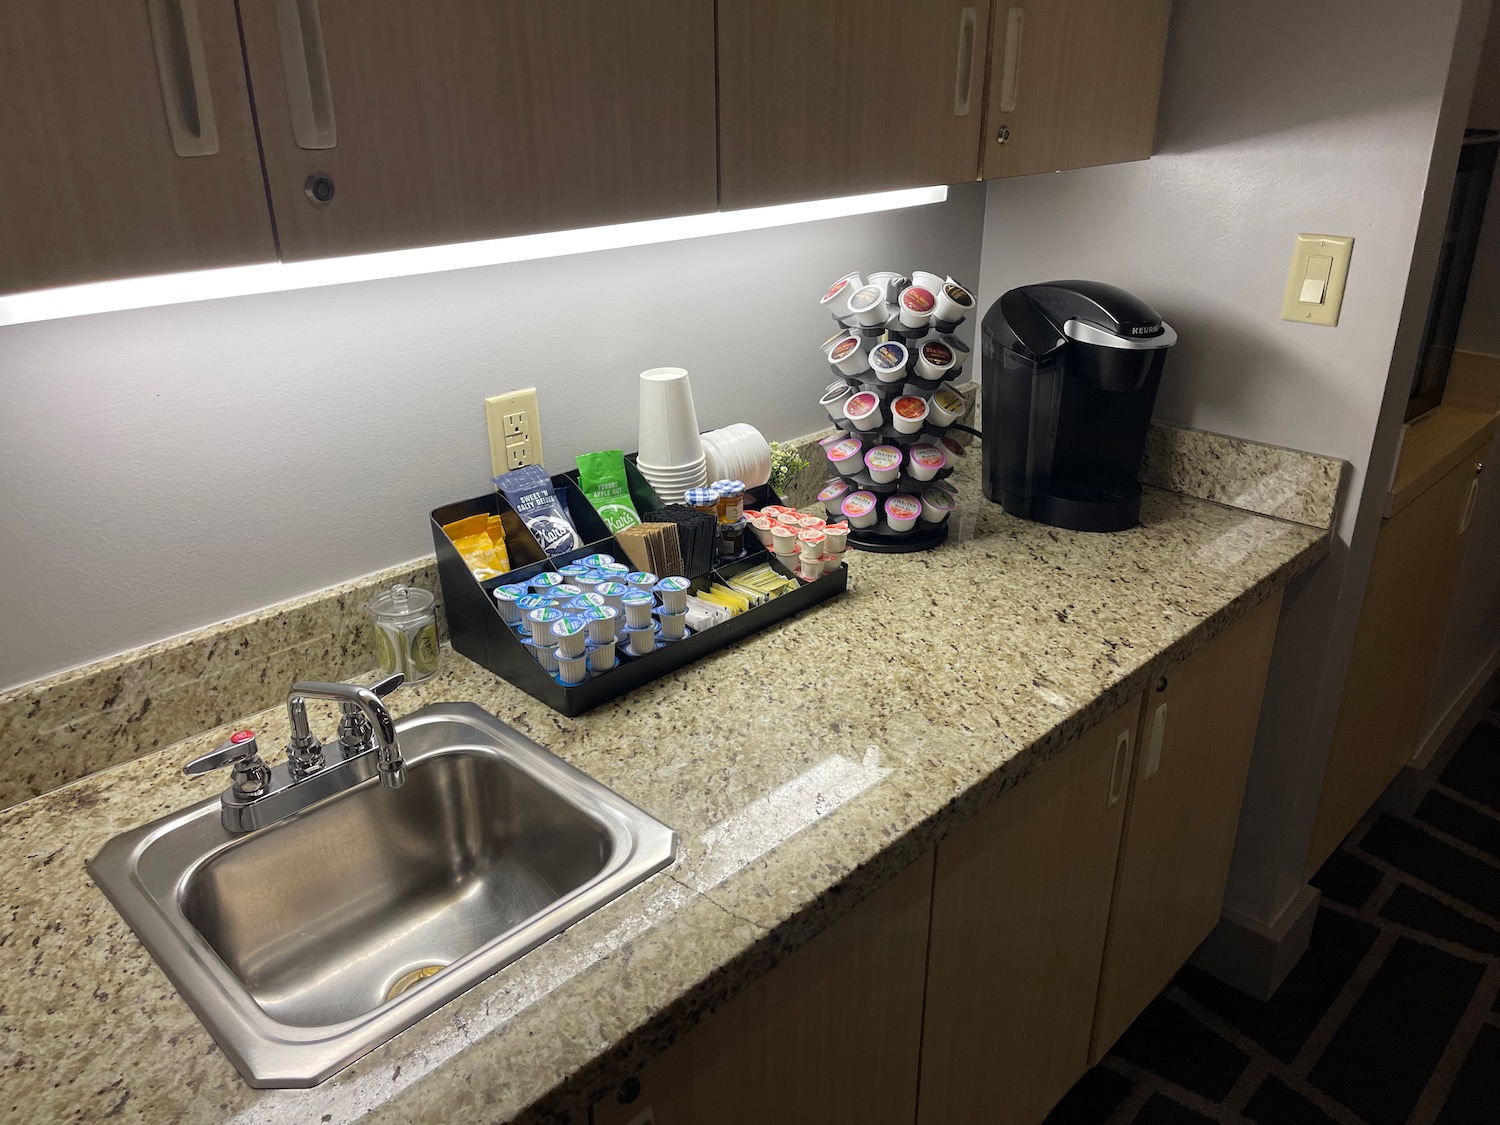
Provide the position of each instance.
(411, 978)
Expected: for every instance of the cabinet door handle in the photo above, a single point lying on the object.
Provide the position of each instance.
(1153, 748)
(1010, 77)
(1119, 769)
(1469, 501)
(963, 85)
(305, 69)
(177, 37)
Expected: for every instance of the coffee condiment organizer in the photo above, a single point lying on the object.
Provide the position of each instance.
(879, 537)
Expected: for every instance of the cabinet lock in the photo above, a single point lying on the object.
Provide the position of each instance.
(319, 188)
(1002, 134)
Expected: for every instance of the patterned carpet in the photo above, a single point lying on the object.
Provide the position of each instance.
(1393, 1015)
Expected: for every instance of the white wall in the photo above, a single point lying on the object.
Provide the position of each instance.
(168, 468)
(1276, 117)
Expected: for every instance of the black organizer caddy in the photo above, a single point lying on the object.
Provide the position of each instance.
(480, 633)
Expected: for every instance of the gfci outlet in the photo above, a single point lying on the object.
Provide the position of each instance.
(515, 430)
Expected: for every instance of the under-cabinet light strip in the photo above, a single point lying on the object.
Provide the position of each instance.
(273, 277)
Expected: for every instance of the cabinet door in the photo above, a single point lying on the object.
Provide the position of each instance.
(1073, 83)
(95, 110)
(830, 1034)
(823, 98)
(444, 122)
(1412, 578)
(1197, 734)
(1019, 912)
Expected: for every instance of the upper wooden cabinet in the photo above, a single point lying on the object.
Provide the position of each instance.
(1073, 83)
(95, 110)
(442, 122)
(823, 98)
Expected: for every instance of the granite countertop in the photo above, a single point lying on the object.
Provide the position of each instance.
(802, 769)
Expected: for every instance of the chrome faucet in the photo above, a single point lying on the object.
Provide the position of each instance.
(366, 747)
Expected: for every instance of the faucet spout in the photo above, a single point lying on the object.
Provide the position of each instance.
(391, 766)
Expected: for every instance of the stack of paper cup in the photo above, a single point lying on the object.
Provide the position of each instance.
(671, 454)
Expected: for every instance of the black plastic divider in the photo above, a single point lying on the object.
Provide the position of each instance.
(480, 633)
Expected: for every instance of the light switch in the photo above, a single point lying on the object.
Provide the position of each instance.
(1315, 282)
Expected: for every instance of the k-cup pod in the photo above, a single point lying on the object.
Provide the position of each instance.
(838, 294)
(784, 539)
(928, 281)
(945, 407)
(638, 607)
(954, 302)
(883, 463)
(859, 508)
(888, 361)
(937, 502)
(848, 356)
(602, 657)
(837, 538)
(901, 512)
(923, 462)
(916, 305)
(934, 359)
(833, 492)
(602, 621)
(571, 635)
(673, 625)
(845, 457)
(673, 592)
(539, 623)
(863, 411)
(642, 580)
(908, 413)
(640, 642)
(890, 283)
(951, 445)
(572, 670)
(960, 352)
(833, 398)
(868, 306)
(505, 601)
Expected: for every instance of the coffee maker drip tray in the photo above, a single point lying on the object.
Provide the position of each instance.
(1081, 505)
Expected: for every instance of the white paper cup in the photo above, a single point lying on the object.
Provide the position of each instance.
(868, 305)
(954, 302)
(668, 421)
(916, 305)
(908, 413)
(848, 356)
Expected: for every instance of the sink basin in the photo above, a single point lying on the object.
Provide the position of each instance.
(315, 939)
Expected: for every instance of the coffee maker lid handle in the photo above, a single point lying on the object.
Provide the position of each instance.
(1086, 333)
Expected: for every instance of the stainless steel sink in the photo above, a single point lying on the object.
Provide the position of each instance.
(308, 942)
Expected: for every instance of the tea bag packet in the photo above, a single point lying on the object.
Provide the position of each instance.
(529, 490)
(601, 476)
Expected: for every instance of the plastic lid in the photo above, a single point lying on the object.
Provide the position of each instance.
(586, 601)
(728, 488)
(594, 561)
(402, 603)
(700, 497)
(545, 580)
(910, 407)
(638, 597)
(568, 626)
(673, 583)
(612, 589)
(929, 456)
(641, 578)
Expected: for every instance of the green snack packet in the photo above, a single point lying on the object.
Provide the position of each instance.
(602, 478)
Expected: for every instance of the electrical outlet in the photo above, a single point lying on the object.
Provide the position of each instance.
(515, 430)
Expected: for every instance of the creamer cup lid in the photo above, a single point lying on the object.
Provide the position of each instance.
(533, 601)
(812, 535)
(641, 578)
(673, 583)
(638, 597)
(612, 589)
(614, 569)
(858, 503)
(568, 626)
(901, 506)
(545, 613)
(585, 601)
(599, 613)
(594, 562)
(572, 571)
(546, 579)
(510, 591)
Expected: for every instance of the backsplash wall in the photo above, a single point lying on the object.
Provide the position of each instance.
(169, 468)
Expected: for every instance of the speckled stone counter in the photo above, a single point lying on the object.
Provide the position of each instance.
(803, 768)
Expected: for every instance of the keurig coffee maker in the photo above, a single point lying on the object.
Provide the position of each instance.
(1070, 376)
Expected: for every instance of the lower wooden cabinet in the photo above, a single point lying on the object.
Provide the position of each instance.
(831, 1034)
(1412, 579)
(1019, 911)
(1197, 734)
(1013, 957)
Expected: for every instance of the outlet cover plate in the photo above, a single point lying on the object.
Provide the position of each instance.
(515, 430)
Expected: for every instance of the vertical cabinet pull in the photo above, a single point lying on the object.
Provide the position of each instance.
(177, 37)
(305, 69)
(1010, 76)
(1153, 748)
(1467, 517)
(1119, 770)
(963, 85)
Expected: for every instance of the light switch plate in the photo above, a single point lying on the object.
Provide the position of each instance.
(1310, 257)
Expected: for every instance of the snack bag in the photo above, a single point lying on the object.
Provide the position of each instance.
(529, 490)
(601, 476)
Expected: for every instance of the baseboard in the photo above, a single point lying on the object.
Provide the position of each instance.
(1460, 718)
(1255, 957)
